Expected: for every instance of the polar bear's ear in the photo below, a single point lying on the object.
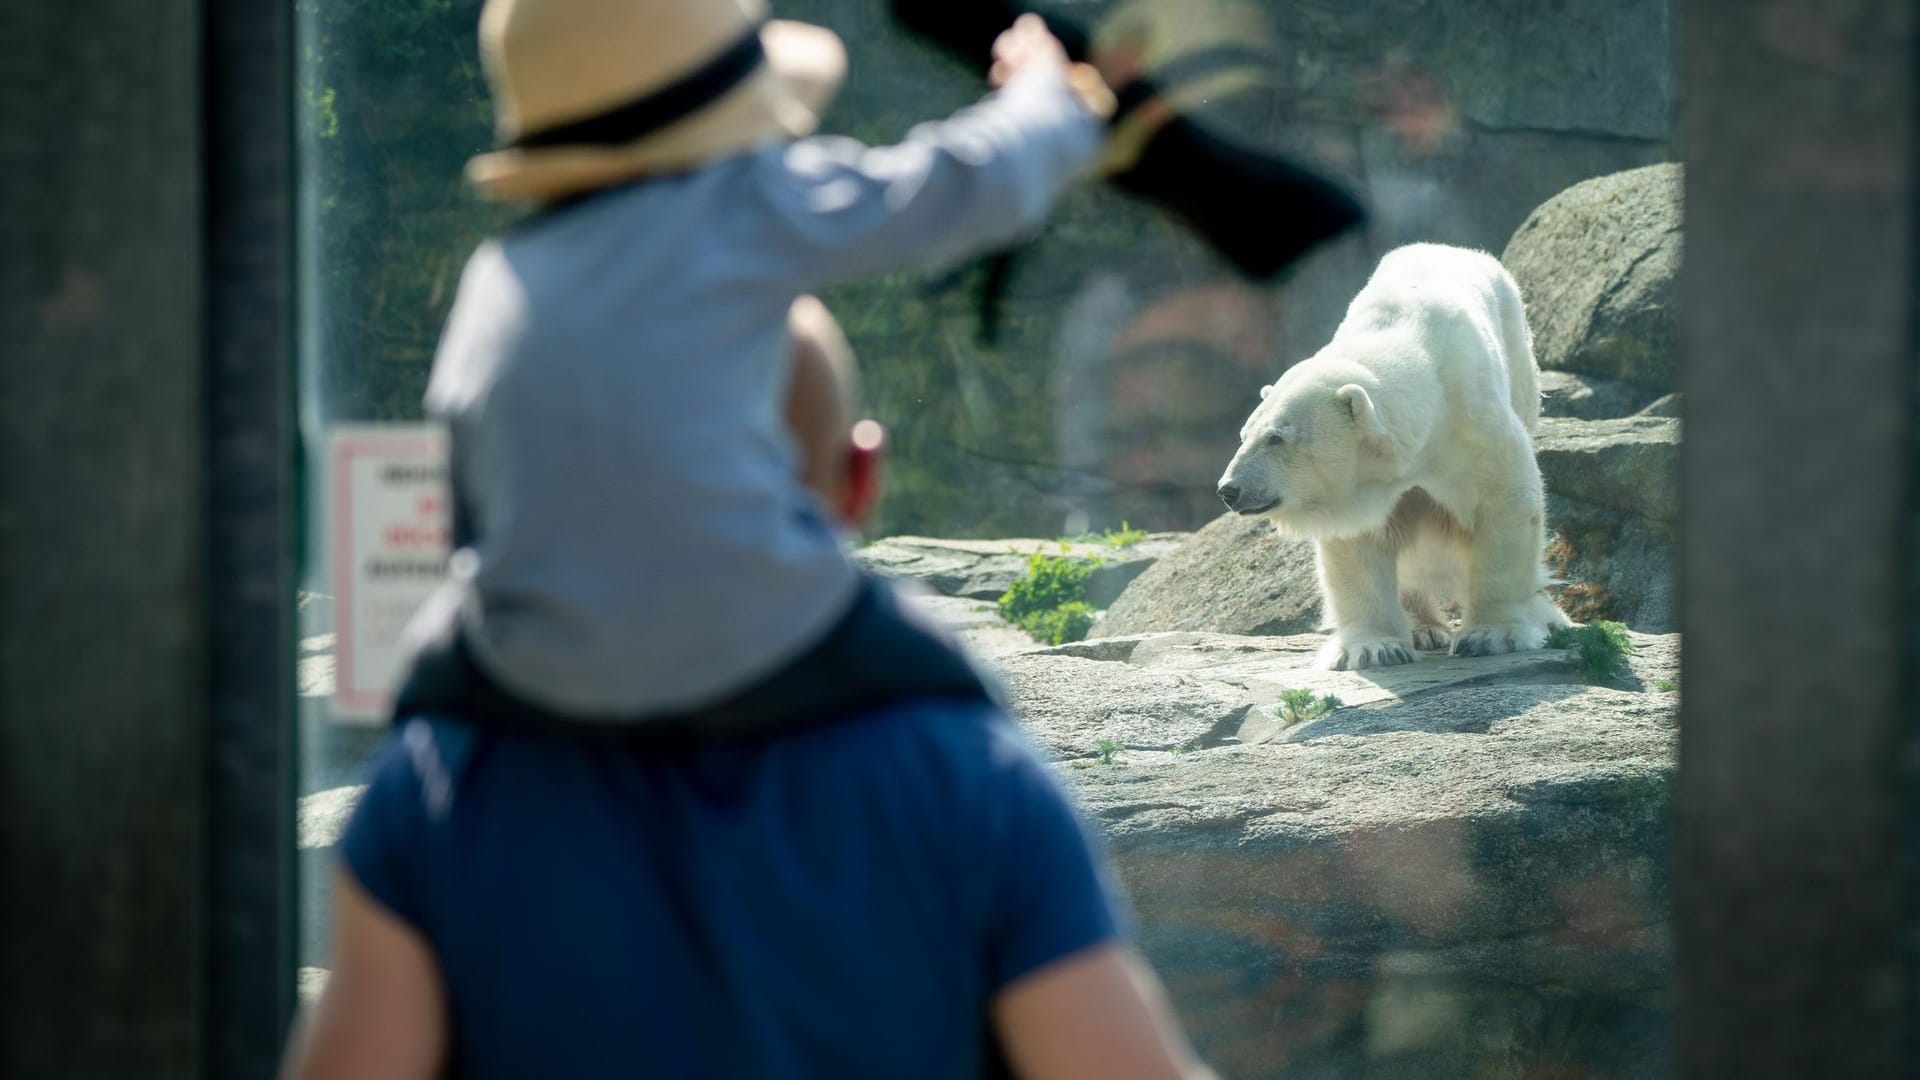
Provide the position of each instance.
(1264, 391)
(1359, 405)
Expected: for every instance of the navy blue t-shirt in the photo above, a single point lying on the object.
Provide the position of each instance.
(837, 902)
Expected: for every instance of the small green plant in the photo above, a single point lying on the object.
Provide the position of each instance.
(1049, 603)
(1183, 749)
(1667, 686)
(1107, 751)
(1599, 649)
(1300, 706)
(1068, 622)
(1123, 537)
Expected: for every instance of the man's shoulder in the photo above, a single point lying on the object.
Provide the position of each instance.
(422, 761)
(960, 737)
(924, 745)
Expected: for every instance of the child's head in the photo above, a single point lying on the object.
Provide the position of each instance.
(589, 93)
(839, 459)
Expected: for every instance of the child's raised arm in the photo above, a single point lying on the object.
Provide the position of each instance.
(979, 180)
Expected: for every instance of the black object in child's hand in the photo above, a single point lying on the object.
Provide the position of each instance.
(1259, 211)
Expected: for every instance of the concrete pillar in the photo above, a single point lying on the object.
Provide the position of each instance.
(1798, 130)
(143, 542)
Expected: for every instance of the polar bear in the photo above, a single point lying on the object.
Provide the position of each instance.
(1404, 449)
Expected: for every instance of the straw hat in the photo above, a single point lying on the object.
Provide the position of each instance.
(591, 92)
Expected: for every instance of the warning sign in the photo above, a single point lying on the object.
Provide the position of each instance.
(391, 536)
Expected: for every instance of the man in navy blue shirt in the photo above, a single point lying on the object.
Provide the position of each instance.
(905, 893)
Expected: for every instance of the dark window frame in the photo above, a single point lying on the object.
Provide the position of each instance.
(146, 538)
(1798, 803)
(251, 912)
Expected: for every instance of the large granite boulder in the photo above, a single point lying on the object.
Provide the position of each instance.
(982, 569)
(1234, 576)
(1613, 507)
(1463, 871)
(1597, 265)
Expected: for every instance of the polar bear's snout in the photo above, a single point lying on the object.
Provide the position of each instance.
(1246, 488)
(1238, 502)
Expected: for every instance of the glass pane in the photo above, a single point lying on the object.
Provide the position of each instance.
(1452, 866)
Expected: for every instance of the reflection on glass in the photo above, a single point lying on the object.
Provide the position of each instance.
(1455, 867)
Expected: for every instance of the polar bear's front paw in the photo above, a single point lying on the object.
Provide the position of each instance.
(1495, 639)
(1351, 653)
(1428, 638)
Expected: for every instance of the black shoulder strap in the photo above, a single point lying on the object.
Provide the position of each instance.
(877, 654)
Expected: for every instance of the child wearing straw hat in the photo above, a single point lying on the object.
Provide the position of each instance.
(673, 789)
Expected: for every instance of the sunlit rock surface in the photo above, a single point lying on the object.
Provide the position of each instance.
(1462, 870)
(982, 569)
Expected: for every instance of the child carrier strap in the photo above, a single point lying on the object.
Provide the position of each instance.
(877, 654)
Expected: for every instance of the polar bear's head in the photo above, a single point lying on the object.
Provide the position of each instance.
(1317, 456)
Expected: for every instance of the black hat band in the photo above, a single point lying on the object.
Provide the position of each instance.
(660, 109)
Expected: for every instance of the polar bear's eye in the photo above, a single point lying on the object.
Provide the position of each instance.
(1275, 439)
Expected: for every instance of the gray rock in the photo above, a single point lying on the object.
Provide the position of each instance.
(1464, 871)
(1597, 265)
(1234, 576)
(323, 815)
(315, 612)
(1664, 405)
(1613, 508)
(976, 623)
(982, 569)
(1630, 464)
(314, 669)
(319, 820)
(1073, 704)
(1615, 565)
(1584, 397)
(313, 981)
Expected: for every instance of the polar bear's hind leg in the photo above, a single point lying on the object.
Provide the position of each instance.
(1430, 628)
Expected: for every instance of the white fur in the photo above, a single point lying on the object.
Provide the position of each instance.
(1404, 449)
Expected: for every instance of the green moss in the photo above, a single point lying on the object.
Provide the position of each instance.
(1600, 649)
